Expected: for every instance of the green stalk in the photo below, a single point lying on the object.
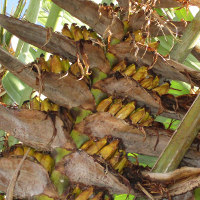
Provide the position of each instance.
(190, 125)
(188, 41)
(31, 16)
(1, 29)
(52, 21)
(16, 14)
(181, 140)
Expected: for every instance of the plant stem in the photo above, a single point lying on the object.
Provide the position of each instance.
(1, 29)
(188, 41)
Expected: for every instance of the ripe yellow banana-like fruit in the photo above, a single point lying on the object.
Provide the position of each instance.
(87, 144)
(85, 194)
(18, 151)
(139, 36)
(65, 65)
(137, 116)
(147, 122)
(76, 191)
(155, 82)
(126, 110)
(47, 162)
(121, 66)
(115, 159)
(103, 105)
(115, 107)
(109, 150)
(147, 83)
(76, 32)
(55, 107)
(30, 153)
(93, 34)
(46, 105)
(66, 31)
(97, 146)
(141, 74)
(43, 64)
(121, 164)
(163, 89)
(86, 33)
(55, 64)
(98, 196)
(38, 156)
(35, 104)
(130, 70)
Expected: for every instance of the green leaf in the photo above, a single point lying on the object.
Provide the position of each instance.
(60, 153)
(79, 138)
(16, 89)
(12, 141)
(182, 88)
(197, 194)
(124, 197)
(167, 122)
(7, 100)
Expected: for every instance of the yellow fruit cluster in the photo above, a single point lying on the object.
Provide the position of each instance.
(115, 107)
(54, 64)
(88, 193)
(77, 33)
(43, 158)
(142, 76)
(42, 105)
(109, 151)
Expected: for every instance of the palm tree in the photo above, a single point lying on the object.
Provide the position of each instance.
(80, 119)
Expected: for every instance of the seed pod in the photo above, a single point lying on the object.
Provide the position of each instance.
(97, 146)
(55, 107)
(55, 64)
(109, 150)
(47, 162)
(93, 34)
(155, 82)
(31, 152)
(18, 151)
(46, 105)
(65, 65)
(67, 32)
(115, 107)
(121, 164)
(103, 105)
(130, 70)
(76, 32)
(35, 104)
(148, 121)
(147, 83)
(77, 191)
(115, 159)
(126, 110)
(43, 64)
(141, 73)
(75, 70)
(86, 33)
(85, 194)
(139, 36)
(121, 66)
(137, 115)
(98, 196)
(38, 156)
(163, 89)
(87, 144)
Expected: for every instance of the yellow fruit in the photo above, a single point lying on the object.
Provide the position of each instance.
(147, 122)
(31, 152)
(45, 105)
(93, 34)
(38, 156)
(18, 151)
(147, 83)
(76, 32)
(55, 107)
(66, 31)
(141, 73)
(163, 89)
(47, 162)
(55, 64)
(121, 66)
(126, 110)
(155, 82)
(65, 65)
(119, 167)
(86, 33)
(43, 64)
(153, 46)
(97, 146)
(76, 191)
(137, 115)
(115, 107)
(98, 196)
(87, 144)
(85, 194)
(138, 36)
(103, 105)
(109, 149)
(35, 104)
(130, 70)
(115, 159)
